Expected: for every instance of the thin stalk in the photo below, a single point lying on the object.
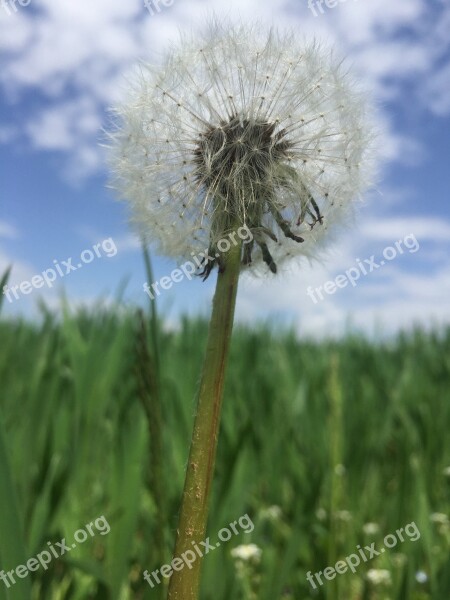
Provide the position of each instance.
(184, 584)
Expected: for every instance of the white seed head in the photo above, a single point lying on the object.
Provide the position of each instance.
(241, 127)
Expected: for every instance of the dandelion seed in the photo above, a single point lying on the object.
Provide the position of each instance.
(242, 128)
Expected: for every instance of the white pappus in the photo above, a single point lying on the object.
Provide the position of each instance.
(240, 126)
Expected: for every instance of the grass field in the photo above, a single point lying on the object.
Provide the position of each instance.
(324, 446)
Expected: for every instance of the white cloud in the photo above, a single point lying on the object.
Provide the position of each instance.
(363, 21)
(74, 54)
(412, 288)
(437, 91)
(8, 231)
(86, 46)
(393, 299)
(391, 229)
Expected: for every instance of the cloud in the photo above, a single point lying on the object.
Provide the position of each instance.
(63, 64)
(385, 300)
(8, 231)
(74, 54)
(363, 22)
(437, 91)
(391, 229)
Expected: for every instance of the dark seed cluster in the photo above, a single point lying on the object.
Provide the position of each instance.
(235, 156)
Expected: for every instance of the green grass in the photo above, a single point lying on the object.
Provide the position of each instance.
(74, 410)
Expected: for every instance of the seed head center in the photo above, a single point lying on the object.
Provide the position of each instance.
(241, 147)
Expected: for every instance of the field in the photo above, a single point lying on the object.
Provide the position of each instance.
(324, 446)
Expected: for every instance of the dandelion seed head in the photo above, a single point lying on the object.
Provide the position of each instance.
(240, 126)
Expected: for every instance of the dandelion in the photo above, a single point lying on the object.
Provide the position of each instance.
(242, 128)
(237, 127)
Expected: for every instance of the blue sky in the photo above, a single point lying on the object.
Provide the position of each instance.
(63, 63)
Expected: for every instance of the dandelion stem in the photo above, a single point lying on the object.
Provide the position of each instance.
(184, 584)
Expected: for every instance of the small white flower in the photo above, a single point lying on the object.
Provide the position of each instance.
(371, 528)
(439, 518)
(321, 514)
(421, 577)
(399, 559)
(272, 513)
(379, 576)
(344, 515)
(242, 127)
(339, 470)
(247, 552)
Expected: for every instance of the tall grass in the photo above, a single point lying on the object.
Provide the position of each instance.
(335, 434)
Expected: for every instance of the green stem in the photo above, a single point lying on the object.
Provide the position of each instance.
(184, 584)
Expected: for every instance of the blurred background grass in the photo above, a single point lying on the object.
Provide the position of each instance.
(325, 445)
